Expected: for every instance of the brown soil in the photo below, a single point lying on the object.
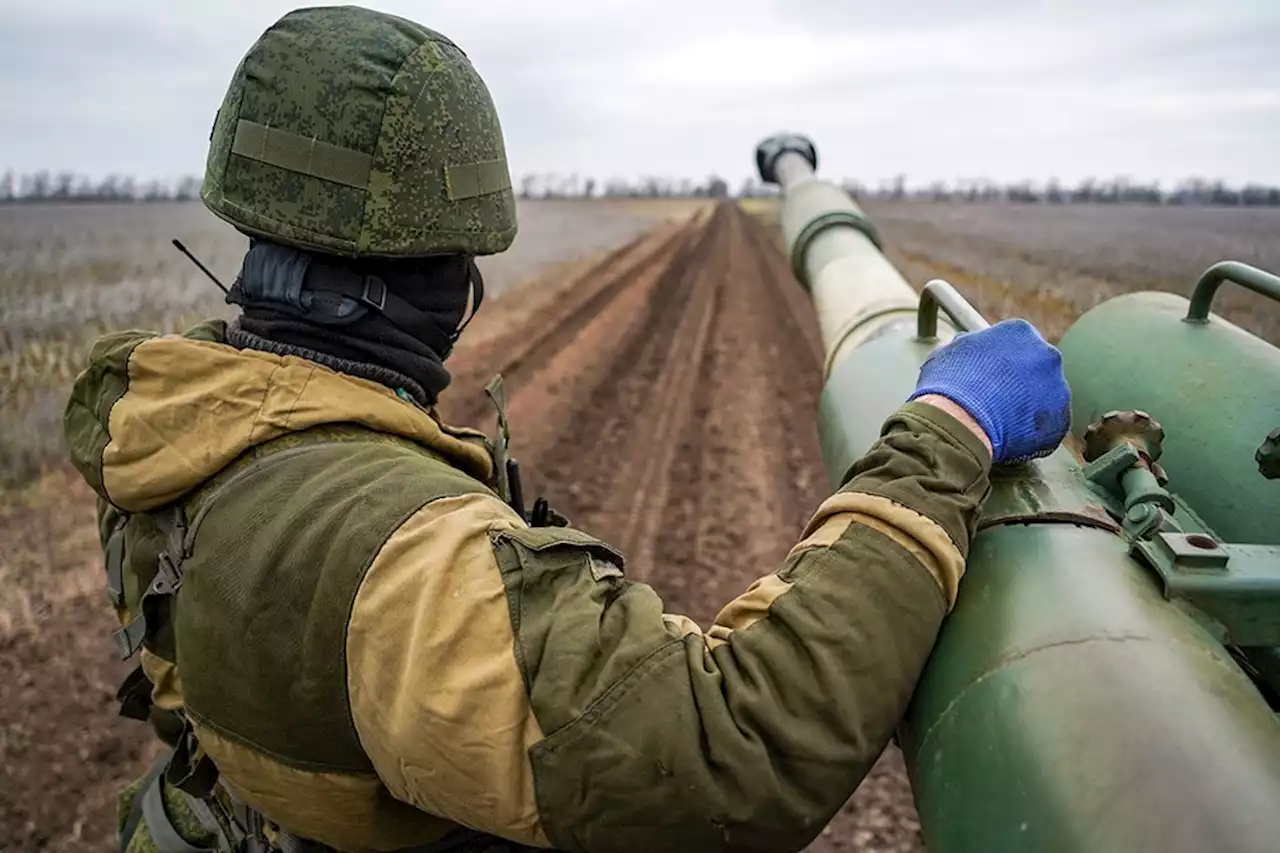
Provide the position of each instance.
(63, 750)
(662, 397)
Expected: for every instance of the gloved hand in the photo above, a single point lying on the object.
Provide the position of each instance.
(1010, 380)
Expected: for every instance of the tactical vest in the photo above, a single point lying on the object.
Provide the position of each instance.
(181, 805)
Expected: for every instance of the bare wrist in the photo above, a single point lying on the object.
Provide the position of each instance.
(958, 412)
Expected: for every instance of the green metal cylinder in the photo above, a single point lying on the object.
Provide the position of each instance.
(1213, 386)
(1068, 707)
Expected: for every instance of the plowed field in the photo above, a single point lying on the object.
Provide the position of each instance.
(662, 397)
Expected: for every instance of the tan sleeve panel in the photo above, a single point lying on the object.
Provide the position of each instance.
(921, 536)
(193, 406)
(824, 535)
(683, 626)
(436, 693)
(347, 811)
(166, 686)
(748, 608)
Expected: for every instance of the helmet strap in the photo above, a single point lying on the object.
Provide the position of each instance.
(474, 300)
(298, 283)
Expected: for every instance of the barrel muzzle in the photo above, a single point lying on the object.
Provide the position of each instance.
(769, 150)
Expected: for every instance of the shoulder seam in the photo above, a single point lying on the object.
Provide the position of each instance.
(106, 422)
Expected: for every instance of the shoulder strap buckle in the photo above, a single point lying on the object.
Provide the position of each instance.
(172, 521)
(129, 638)
(168, 579)
(375, 293)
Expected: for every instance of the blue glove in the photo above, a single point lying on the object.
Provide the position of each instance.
(1010, 381)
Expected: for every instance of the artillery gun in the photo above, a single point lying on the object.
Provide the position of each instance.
(1110, 677)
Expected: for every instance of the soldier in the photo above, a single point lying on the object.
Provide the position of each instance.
(348, 638)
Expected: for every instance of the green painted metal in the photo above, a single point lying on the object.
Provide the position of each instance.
(1237, 586)
(1268, 455)
(1264, 663)
(1069, 705)
(856, 292)
(940, 295)
(1235, 589)
(812, 227)
(1259, 281)
(863, 389)
(1214, 387)
(1050, 491)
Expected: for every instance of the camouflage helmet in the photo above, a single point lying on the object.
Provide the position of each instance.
(356, 133)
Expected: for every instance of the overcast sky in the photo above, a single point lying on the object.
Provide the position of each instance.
(935, 89)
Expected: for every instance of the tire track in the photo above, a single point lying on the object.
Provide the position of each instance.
(747, 472)
(803, 321)
(522, 352)
(601, 469)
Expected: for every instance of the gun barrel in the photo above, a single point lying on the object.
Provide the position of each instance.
(835, 252)
(1068, 705)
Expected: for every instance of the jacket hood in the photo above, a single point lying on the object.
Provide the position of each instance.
(152, 417)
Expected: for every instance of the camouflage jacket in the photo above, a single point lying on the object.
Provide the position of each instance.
(374, 649)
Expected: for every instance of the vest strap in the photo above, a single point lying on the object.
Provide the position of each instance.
(505, 468)
(114, 555)
(134, 695)
(162, 831)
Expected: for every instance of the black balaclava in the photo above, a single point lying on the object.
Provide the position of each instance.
(393, 321)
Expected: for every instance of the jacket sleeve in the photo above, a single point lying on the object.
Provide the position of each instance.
(523, 686)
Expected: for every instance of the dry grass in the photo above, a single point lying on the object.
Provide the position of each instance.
(69, 274)
(49, 552)
(1052, 263)
(1049, 264)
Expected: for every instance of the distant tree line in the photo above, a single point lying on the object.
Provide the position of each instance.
(70, 187)
(1191, 191)
(47, 186)
(552, 185)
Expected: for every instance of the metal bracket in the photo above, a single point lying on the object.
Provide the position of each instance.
(1238, 586)
(939, 294)
(1252, 278)
(1106, 471)
(1235, 587)
(1132, 492)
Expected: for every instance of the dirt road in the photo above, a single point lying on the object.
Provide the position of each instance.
(665, 401)
(662, 397)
